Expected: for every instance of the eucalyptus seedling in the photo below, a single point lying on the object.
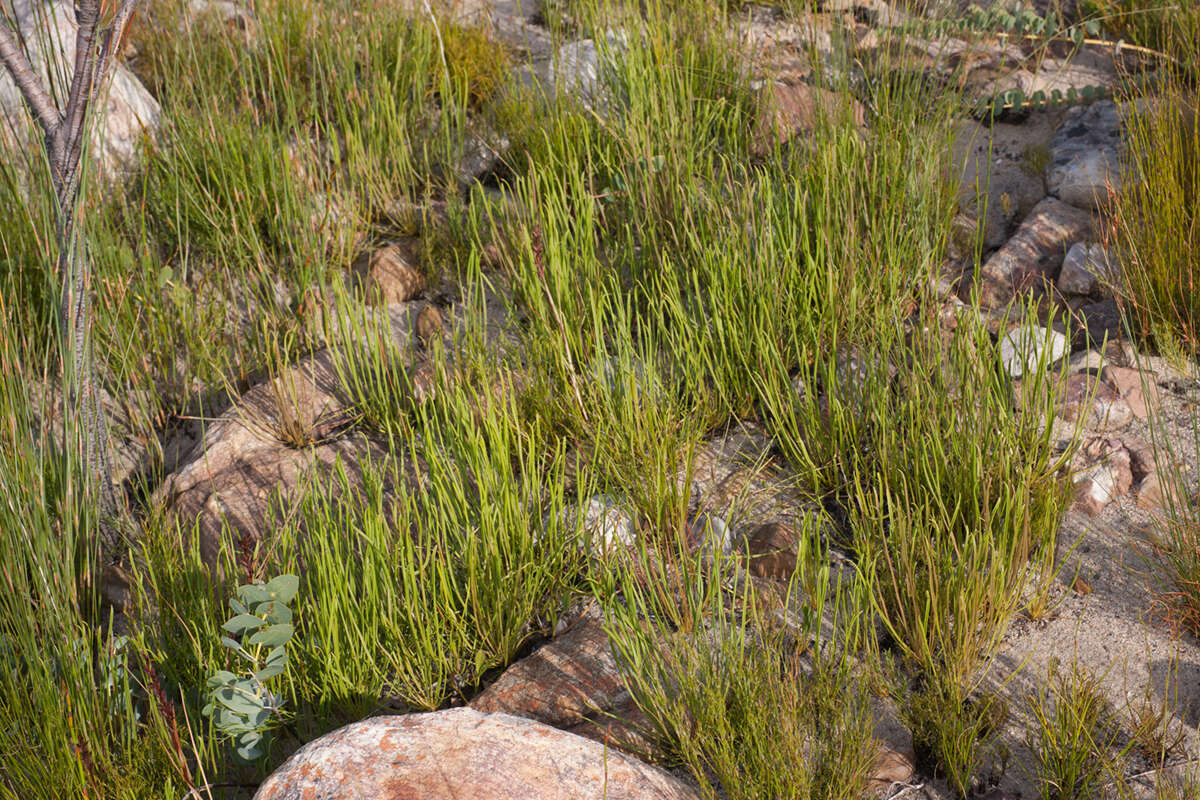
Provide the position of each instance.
(240, 704)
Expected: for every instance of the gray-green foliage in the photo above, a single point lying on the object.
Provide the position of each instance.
(240, 704)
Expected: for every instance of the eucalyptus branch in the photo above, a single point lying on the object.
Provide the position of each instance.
(27, 81)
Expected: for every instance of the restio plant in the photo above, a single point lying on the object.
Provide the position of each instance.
(240, 704)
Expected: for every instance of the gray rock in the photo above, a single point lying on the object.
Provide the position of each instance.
(1087, 269)
(462, 753)
(1025, 347)
(127, 116)
(1085, 155)
(1005, 185)
(478, 156)
(1096, 323)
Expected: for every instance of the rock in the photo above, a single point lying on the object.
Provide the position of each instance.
(243, 465)
(1096, 323)
(1131, 386)
(582, 70)
(773, 551)
(1007, 187)
(708, 532)
(232, 14)
(1095, 402)
(787, 111)
(1085, 155)
(1141, 457)
(604, 528)
(565, 682)
(430, 327)
(1103, 474)
(1090, 361)
(478, 157)
(1033, 255)
(514, 23)
(128, 115)
(1025, 347)
(465, 13)
(392, 275)
(890, 767)
(1151, 495)
(461, 753)
(1086, 269)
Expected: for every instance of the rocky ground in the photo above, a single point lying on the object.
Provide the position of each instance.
(560, 720)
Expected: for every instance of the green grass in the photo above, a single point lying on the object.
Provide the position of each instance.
(657, 281)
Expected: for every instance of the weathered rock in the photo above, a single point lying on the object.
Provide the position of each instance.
(1103, 474)
(709, 533)
(460, 12)
(1085, 155)
(1007, 186)
(1151, 493)
(1025, 347)
(1096, 323)
(252, 457)
(479, 156)
(392, 275)
(1091, 361)
(604, 526)
(514, 23)
(1086, 269)
(462, 754)
(1033, 255)
(582, 69)
(1141, 393)
(890, 767)
(566, 682)
(1095, 402)
(786, 111)
(128, 115)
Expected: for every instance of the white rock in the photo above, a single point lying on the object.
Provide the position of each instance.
(126, 114)
(1026, 347)
(583, 69)
(605, 526)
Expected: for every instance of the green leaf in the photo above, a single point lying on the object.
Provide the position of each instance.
(252, 594)
(237, 608)
(269, 671)
(277, 654)
(283, 588)
(221, 678)
(273, 636)
(232, 644)
(275, 612)
(251, 753)
(239, 702)
(164, 276)
(243, 623)
(1092, 26)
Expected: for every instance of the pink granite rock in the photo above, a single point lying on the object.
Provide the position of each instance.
(462, 754)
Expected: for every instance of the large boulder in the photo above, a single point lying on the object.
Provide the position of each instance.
(125, 115)
(463, 754)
